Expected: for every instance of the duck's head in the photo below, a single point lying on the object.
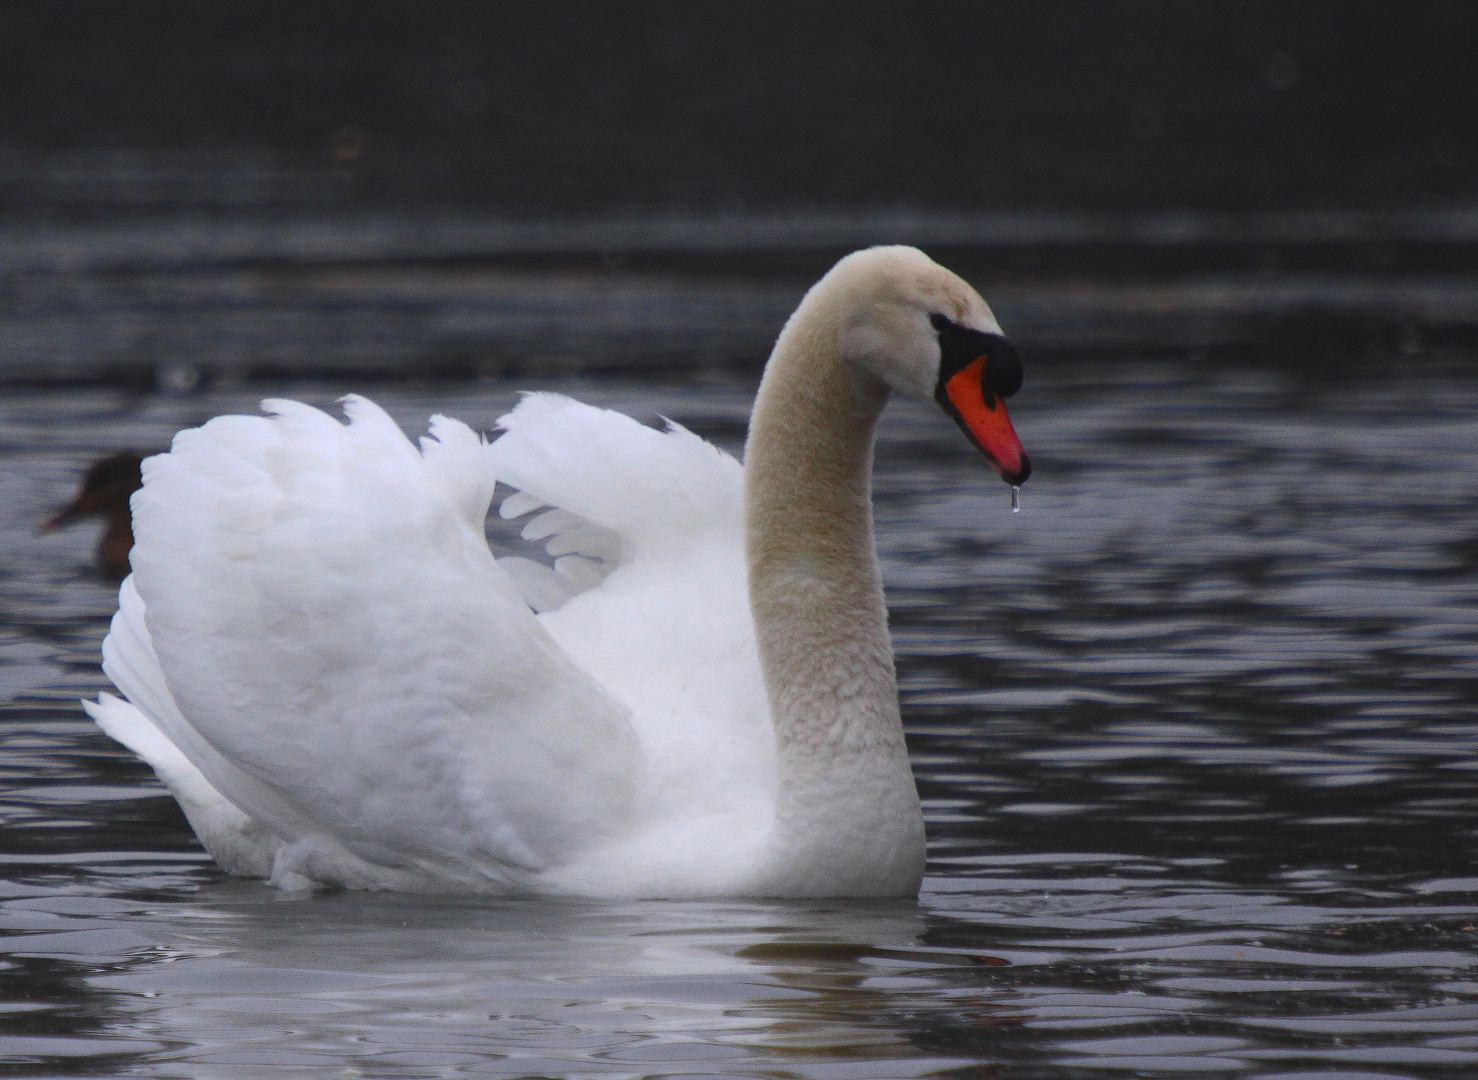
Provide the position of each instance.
(105, 489)
(920, 329)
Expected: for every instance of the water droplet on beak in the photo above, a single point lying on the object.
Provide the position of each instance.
(1015, 499)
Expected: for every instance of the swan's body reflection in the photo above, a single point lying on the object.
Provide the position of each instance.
(515, 987)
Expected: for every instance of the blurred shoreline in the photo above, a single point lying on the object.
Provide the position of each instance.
(163, 238)
(174, 298)
(194, 192)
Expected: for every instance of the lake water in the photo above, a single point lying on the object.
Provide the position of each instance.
(1196, 734)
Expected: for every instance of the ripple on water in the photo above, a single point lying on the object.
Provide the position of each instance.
(1194, 733)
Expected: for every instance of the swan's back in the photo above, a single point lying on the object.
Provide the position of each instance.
(669, 632)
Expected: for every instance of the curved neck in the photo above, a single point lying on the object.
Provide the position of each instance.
(817, 597)
(814, 584)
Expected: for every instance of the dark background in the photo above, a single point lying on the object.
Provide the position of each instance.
(349, 190)
(580, 108)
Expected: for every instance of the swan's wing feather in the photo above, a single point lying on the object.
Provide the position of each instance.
(328, 619)
(130, 661)
(652, 487)
(669, 631)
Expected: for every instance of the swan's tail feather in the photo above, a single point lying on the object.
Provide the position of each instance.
(235, 841)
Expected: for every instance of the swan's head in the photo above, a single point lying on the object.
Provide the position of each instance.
(915, 326)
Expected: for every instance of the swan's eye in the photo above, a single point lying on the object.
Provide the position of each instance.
(960, 346)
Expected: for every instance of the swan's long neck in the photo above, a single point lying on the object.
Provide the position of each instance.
(847, 810)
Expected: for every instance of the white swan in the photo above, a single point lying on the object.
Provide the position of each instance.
(340, 685)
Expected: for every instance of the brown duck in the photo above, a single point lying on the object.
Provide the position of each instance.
(105, 490)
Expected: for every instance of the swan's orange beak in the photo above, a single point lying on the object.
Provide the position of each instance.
(981, 414)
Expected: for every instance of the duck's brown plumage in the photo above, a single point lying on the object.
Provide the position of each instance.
(105, 489)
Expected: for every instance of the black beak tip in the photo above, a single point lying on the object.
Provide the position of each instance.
(1021, 475)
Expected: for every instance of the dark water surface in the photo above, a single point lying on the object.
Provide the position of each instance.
(1195, 733)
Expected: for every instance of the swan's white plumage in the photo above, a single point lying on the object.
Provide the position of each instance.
(326, 664)
(366, 682)
(669, 633)
(234, 840)
(327, 613)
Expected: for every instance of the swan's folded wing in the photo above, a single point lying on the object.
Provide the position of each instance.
(328, 618)
(669, 631)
